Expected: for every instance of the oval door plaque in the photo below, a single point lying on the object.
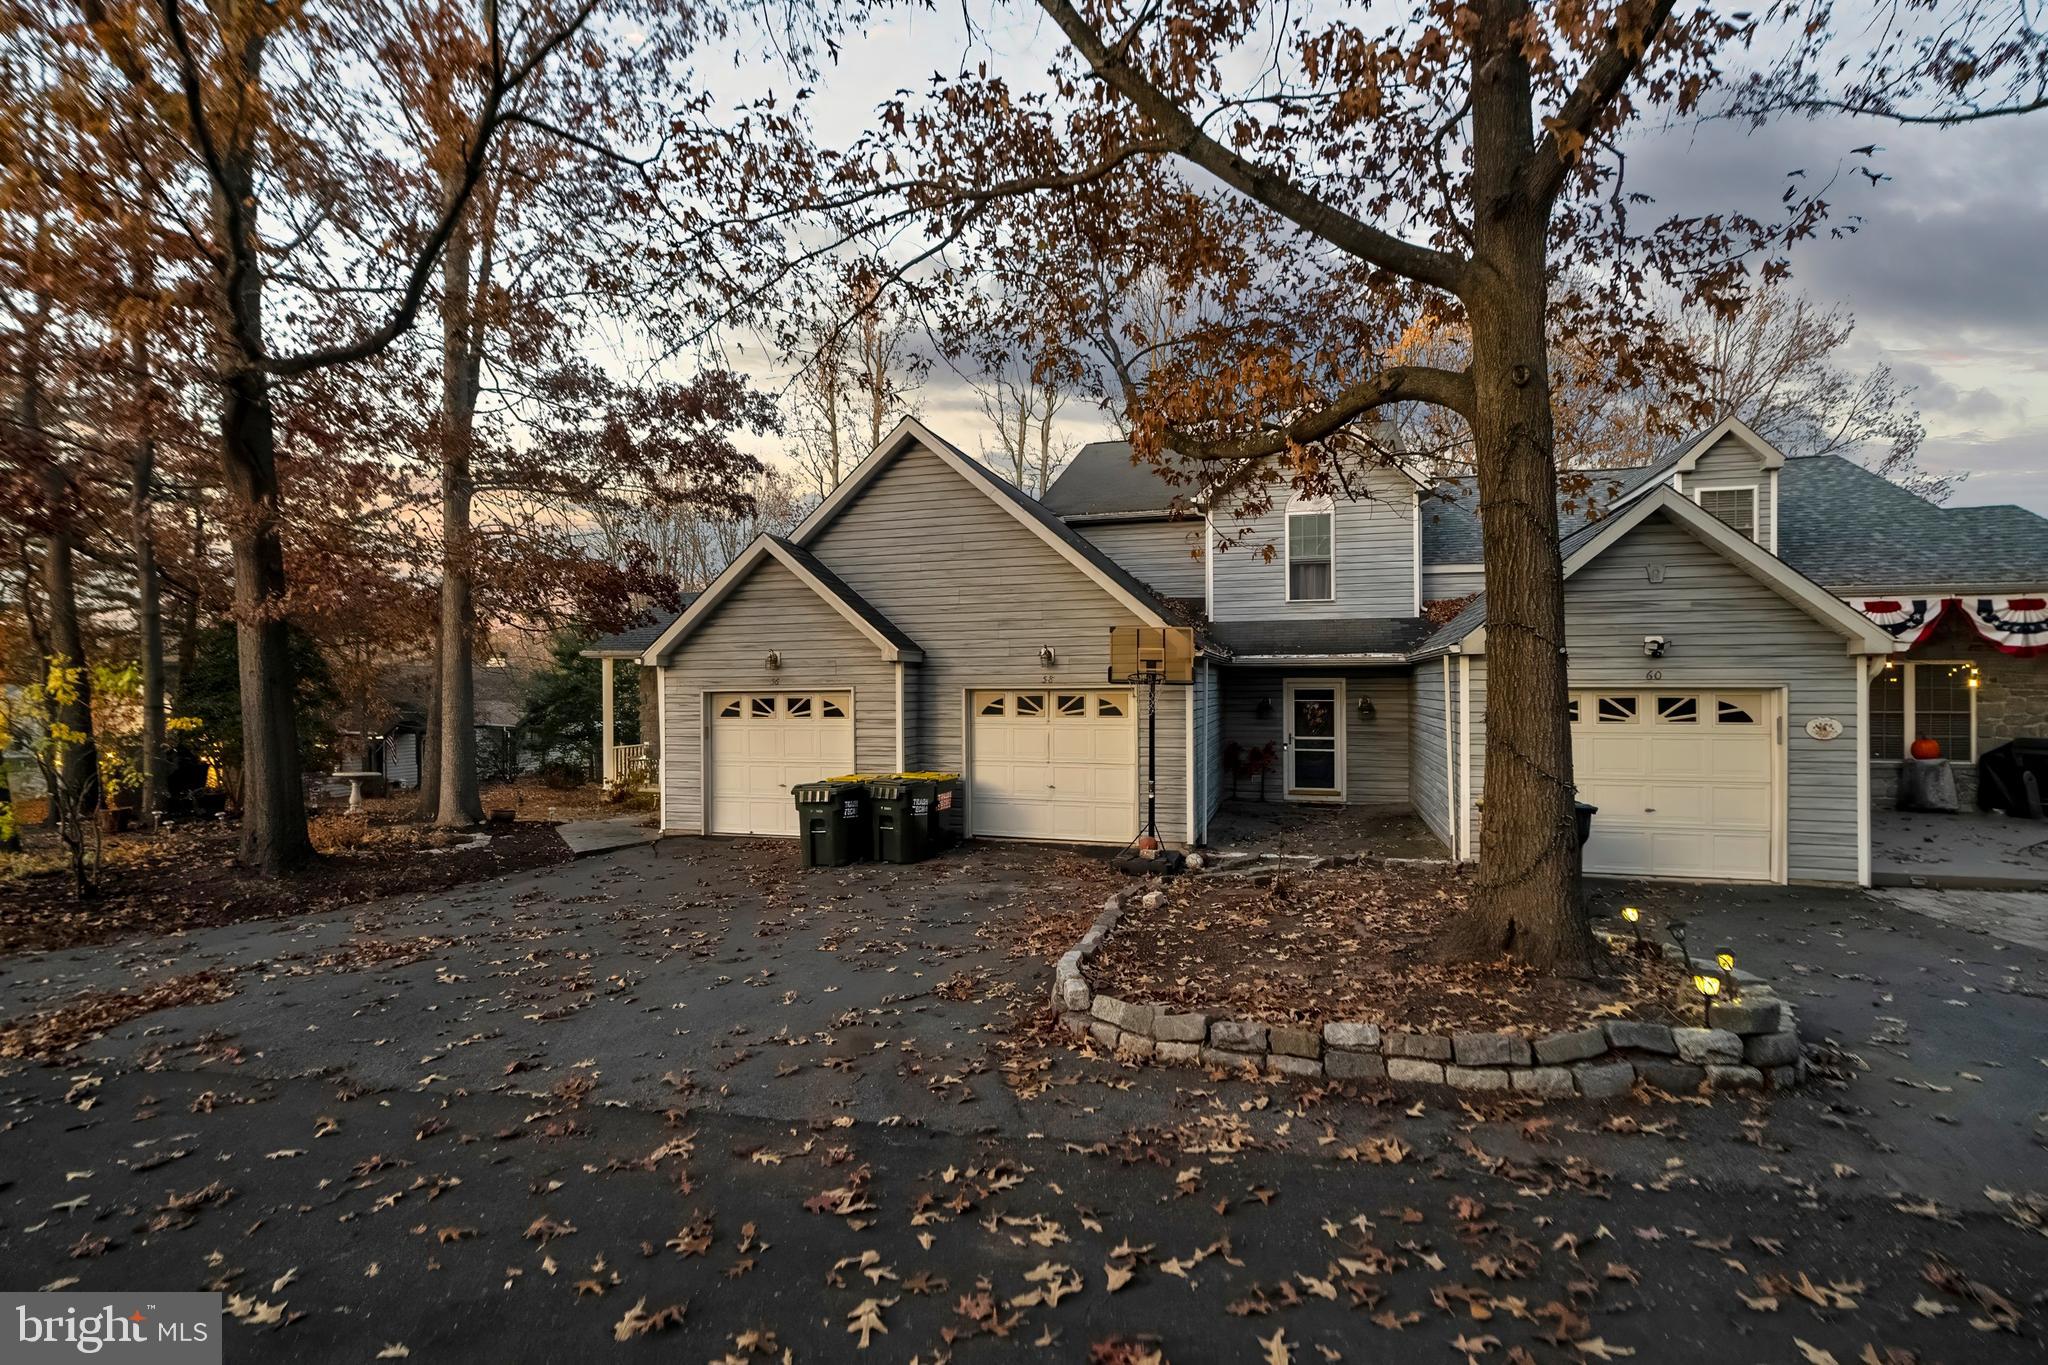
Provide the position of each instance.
(1824, 728)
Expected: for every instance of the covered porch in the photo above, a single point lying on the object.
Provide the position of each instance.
(633, 764)
(1972, 849)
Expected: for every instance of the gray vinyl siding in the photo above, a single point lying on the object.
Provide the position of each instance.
(980, 593)
(1733, 461)
(1441, 583)
(1376, 751)
(1209, 736)
(1428, 749)
(821, 650)
(1726, 629)
(402, 760)
(1473, 680)
(1164, 554)
(1372, 553)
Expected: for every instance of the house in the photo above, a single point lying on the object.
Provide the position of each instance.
(1752, 638)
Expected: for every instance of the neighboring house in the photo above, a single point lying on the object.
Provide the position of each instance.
(928, 615)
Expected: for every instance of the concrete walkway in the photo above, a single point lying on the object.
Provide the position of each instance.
(587, 837)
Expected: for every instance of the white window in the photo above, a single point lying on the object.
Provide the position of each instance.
(1736, 506)
(1311, 531)
(1936, 701)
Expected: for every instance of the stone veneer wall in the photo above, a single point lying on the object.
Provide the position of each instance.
(1755, 1042)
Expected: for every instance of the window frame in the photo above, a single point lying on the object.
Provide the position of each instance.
(1909, 710)
(1755, 534)
(1310, 507)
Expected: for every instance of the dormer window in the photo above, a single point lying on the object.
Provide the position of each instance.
(1735, 506)
(1311, 529)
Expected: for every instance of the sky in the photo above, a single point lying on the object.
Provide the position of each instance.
(1946, 276)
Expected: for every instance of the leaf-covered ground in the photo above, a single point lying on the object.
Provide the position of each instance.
(1358, 943)
(186, 878)
(690, 1103)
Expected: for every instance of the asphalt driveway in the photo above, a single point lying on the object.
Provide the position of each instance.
(824, 1106)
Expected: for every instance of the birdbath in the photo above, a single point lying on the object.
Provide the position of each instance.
(355, 782)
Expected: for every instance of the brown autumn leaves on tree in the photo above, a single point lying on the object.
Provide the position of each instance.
(1313, 185)
(274, 195)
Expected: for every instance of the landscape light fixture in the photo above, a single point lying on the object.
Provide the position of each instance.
(1635, 922)
(1709, 986)
(1725, 961)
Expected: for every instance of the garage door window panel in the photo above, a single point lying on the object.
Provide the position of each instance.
(1683, 710)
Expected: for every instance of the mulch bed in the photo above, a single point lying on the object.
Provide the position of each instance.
(187, 878)
(1358, 943)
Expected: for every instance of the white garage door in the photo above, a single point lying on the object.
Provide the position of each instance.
(1053, 765)
(1685, 783)
(763, 743)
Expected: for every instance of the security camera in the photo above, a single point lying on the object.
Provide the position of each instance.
(1653, 646)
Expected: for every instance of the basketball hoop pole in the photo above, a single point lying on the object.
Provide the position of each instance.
(1152, 757)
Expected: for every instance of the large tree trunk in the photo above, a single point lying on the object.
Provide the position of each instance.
(77, 757)
(274, 838)
(430, 742)
(1526, 903)
(74, 756)
(459, 805)
(149, 627)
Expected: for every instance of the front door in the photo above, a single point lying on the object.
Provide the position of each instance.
(1315, 741)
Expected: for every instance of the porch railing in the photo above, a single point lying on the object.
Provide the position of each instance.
(631, 764)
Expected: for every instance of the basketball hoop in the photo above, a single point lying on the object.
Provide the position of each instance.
(1151, 657)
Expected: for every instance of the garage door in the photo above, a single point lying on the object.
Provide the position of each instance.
(1685, 783)
(1059, 766)
(763, 743)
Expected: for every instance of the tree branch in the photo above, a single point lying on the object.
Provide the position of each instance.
(1400, 384)
(1636, 26)
(1425, 265)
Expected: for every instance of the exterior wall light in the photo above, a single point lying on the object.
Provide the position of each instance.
(1366, 710)
(774, 659)
(1046, 655)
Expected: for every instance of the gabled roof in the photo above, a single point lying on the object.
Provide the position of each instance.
(1107, 574)
(632, 642)
(1101, 483)
(863, 616)
(1450, 510)
(1691, 450)
(1466, 633)
(1849, 528)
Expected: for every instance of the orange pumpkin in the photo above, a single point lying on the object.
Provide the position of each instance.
(1924, 747)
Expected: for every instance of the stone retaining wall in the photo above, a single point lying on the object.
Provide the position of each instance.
(1754, 1042)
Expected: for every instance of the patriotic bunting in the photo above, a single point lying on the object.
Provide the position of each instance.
(2017, 625)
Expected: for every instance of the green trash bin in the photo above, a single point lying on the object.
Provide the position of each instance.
(898, 837)
(831, 822)
(936, 805)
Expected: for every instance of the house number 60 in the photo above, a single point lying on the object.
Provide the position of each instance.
(1654, 675)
